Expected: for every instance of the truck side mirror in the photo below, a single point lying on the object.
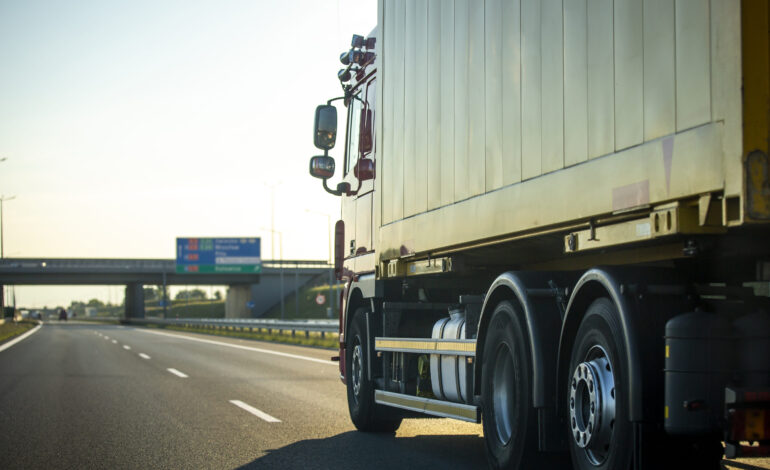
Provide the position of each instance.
(322, 166)
(364, 169)
(325, 130)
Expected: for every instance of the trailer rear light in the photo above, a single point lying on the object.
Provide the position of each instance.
(748, 421)
(749, 424)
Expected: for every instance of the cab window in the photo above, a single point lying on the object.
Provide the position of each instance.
(354, 127)
(367, 121)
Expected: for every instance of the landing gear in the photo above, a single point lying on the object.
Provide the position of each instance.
(600, 434)
(365, 414)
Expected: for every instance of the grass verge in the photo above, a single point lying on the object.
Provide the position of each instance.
(329, 341)
(9, 329)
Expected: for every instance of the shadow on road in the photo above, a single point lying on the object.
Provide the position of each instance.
(732, 465)
(385, 451)
(372, 451)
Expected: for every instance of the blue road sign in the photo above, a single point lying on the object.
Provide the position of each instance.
(218, 255)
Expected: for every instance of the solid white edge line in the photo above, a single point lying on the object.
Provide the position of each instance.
(126, 347)
(238, 346)
(177, 373)
(255, 412)
(20, 338)
(144, 356)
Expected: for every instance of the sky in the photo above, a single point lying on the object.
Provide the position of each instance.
(127, 124)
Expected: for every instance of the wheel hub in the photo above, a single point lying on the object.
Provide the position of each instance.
(357, 366)
(592, 405)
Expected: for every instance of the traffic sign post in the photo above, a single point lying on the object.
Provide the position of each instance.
(218, 255)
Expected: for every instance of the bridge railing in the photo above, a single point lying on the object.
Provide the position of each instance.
(150, 265)
(247, 324)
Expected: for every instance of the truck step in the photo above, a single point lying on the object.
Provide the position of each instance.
(448, 347)
(444, 409)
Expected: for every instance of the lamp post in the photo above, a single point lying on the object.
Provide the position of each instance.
(332, 300)
(2, 200)
(280, 261)
(272, 218)
(2, 245)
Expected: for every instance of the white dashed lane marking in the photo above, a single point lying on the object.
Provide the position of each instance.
(144, 356)
(255, 412)
(177, 373)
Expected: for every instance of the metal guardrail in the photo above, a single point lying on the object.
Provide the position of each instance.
(250, 324)
(118, 264)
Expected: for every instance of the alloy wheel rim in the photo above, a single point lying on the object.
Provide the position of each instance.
(592, 405)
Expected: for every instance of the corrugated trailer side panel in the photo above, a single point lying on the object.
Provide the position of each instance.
(543, 113)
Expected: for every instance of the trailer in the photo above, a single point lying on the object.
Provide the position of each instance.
(555, 220)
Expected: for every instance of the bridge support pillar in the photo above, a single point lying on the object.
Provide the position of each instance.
(134, 300)
(237, 301)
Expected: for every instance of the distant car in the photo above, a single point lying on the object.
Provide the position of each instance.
(63, 315)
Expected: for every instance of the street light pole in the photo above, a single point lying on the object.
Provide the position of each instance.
(332, 300)
(2, 287)
(280, 261)
(272, 218)
(2, 245)
(2, 249)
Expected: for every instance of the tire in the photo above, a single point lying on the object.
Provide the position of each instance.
(509, 422)
(599, 433)
(365, 414)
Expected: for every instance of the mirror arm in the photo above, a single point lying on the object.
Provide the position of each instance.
(333, 192)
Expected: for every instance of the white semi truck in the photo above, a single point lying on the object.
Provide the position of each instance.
(556, 221)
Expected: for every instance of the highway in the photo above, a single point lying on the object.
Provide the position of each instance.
(107, 396)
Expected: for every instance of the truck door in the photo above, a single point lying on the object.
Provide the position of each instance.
(351, 155)
(364, 199)
(357, 208)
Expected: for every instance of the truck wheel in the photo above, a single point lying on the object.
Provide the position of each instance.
(508, 416)
(600, 434)
(365, 414)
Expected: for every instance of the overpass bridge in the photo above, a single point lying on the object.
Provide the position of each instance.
(277, 280)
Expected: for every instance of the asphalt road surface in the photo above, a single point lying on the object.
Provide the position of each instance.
(105, 396)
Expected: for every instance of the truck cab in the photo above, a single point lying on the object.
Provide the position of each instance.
(354, 242)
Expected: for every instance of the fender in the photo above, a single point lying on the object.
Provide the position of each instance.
(356, 293)
(530, 290)
(595, 283)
